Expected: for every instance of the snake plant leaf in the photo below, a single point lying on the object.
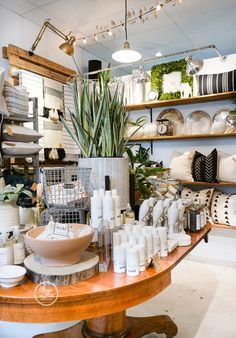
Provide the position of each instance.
(99, 119)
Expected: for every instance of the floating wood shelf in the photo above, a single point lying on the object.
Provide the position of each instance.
(181, 101)
(223, 226)
(221, 184)
(19, 119)
(181, 137)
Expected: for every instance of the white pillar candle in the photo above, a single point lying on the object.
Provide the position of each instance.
(142, 256)
(128, 227)
(156, 244)
(132, 261)
(119, 259)
(149, 241)
(123, 236)
(132, 239)
(116, 239)
(162, 231)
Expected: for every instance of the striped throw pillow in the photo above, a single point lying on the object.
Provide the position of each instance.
(16, 98)
(216, 83)
(3, 107)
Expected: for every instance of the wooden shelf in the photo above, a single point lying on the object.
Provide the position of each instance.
(223, 226)
(183, 101)
(181, 137)
(18, 119)
(220, 184)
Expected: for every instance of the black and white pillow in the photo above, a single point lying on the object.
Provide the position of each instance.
(204, 168)
(216, 83)
(203, 196)
(223, 208)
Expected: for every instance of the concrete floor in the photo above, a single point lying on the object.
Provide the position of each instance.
(201, 299)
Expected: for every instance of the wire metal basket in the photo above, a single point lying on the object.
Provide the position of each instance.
(64, 216)
(66, 187)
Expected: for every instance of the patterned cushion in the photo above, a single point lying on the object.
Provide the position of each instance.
(216, 83)
(20, 148)
(3, 107)
(12, 132)
(205, 167)
(203, 196)
(16, 99)
(223, 208)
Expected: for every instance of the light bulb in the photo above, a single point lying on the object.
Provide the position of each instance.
(95, 37)
(158, 7)
(84, 40)
(109, 32)
(158, 54)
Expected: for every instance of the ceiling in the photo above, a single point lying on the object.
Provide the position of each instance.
(191, 24)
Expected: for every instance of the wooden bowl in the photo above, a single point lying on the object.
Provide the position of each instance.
(59, 252)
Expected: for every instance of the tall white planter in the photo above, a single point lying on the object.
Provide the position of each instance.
(9, 216)
(117, 168)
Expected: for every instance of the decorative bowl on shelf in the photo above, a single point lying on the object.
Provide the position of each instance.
(59, 252)
(175, 117)
(11, 275)
(220, 122)
(198, 122)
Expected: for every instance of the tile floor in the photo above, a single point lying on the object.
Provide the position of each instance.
(201, 299)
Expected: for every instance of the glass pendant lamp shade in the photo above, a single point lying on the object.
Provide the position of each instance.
(126, 54)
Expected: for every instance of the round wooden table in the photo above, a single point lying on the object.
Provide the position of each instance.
(100, 301)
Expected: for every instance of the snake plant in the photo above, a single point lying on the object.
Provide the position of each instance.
(99, 119)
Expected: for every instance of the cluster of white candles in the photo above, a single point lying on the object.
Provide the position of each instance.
(134, 246)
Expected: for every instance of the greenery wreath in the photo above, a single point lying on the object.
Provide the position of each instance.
(158, 71)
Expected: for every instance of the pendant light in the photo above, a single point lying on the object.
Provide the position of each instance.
(193, 66)
(126, 54)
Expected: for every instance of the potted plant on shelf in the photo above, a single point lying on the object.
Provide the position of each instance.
(99, 122)
(9, 207)
(142, 168)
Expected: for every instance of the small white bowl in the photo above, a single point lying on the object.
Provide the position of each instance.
(11, 275)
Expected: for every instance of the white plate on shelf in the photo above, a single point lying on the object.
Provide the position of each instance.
(11, 275)
(198, 122)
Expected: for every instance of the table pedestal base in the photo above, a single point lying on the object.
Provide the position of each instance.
(117, 325)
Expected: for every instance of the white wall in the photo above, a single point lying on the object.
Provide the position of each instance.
(16, 30)
(162, 150)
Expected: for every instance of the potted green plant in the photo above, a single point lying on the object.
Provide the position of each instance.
(9, 209)
(99, 122)
(142, 168)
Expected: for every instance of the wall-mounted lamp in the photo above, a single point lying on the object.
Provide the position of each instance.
(67, 47)
(194, 66)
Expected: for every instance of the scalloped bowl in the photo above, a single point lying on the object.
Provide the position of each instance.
(59, 252)
(11, 275)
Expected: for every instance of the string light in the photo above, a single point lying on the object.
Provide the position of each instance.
(158, 54)
(133, 17)
(159, 7)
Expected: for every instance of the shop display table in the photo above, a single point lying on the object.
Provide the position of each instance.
(100, 301)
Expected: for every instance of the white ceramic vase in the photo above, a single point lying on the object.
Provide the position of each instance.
(9, 216)
(117, 168)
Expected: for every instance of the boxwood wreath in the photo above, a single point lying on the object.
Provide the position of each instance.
(158, 71)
